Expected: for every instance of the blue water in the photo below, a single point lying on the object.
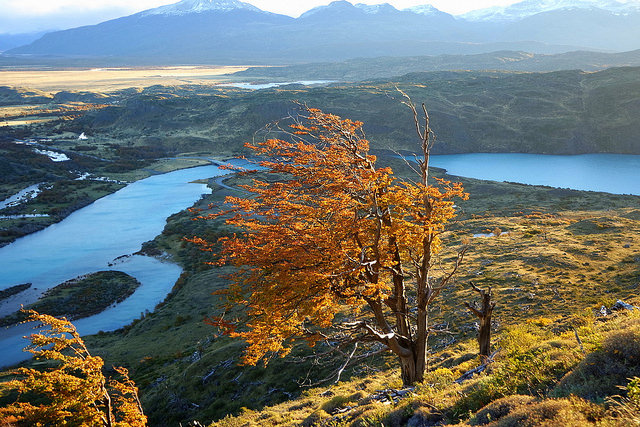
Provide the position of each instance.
(611, 173)
(256, 86)
(89, 240)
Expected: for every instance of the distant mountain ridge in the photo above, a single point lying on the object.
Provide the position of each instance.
(385, 67)
(231, 31)
(185, 7)
(528, 8)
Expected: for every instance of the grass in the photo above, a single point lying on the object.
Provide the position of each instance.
(548, 274)
(111, 79)
(505, 396)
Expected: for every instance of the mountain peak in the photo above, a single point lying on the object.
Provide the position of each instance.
(528, 8)
(376, 8)
(185, 7)
(337, 6)
(423, 9)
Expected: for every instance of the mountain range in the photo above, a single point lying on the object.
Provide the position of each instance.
(231, 31)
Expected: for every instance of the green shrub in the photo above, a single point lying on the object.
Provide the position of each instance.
(439, 379)
(633, 389)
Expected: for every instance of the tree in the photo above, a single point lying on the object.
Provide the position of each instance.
(483, 312)
(73, 391)
(337, 250)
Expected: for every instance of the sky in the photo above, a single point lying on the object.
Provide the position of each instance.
(23, 16)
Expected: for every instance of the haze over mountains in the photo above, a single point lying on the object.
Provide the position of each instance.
(230, 31)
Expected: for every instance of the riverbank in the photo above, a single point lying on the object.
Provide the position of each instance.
(95, 238)
(37, 207)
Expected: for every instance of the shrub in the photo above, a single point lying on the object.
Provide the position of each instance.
(551, 413)
(499, 408)
(439, 379)
(603, 371)
(315, 418)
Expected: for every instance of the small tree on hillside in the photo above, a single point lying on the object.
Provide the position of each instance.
(338, 249)
(73, 390)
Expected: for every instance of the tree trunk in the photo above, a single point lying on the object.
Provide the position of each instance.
(484, 335)
(411, 370)
(484, 316)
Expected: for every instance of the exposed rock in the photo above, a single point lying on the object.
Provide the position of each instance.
(604, 311)
(621, 305)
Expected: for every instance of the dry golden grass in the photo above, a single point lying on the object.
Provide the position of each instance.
(111, 79)
(26, 121)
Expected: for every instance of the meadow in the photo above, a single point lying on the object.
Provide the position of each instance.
(112, 79)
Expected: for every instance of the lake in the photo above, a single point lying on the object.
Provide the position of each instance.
(611, 173)
(256, 86)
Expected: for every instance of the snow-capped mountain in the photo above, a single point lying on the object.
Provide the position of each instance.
(186, 7)
(423, 9)
(528, 8)
(231, 31)
(376, 8)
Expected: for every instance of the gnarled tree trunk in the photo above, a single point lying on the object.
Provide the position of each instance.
(484, 316)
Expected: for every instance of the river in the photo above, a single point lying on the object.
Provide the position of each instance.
(89, 240)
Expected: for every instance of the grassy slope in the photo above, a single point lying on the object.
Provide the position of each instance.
(566, 254)
(384, 67)
(563, 112)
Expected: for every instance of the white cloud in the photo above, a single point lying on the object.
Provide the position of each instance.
(47, 7)
(24, 16)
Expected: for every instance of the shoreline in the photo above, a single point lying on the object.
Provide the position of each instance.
(35, 227)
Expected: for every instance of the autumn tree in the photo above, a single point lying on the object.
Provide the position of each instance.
(73, 391)
(337, 249)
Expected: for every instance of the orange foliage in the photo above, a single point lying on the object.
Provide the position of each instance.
(74, 390)
(335, 232)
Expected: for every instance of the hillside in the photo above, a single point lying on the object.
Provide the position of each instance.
(384, 67)
(564, 256)
(564, 112)
(566, 253)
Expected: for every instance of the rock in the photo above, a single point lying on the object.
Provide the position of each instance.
(604, 311)
(196, 356)
(621, 305)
